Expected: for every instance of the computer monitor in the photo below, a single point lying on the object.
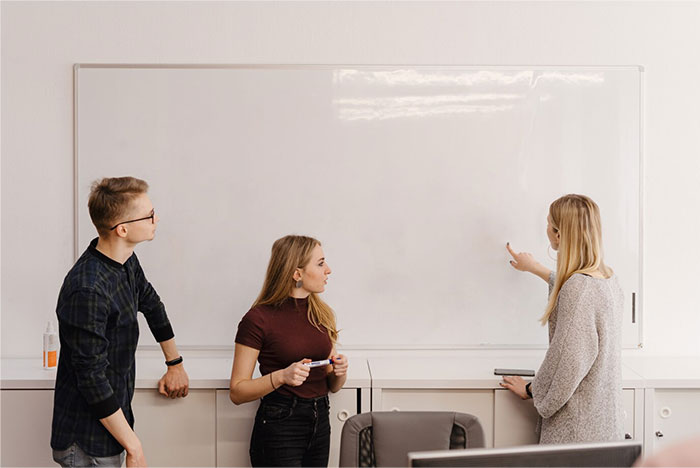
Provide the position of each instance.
(598, 454)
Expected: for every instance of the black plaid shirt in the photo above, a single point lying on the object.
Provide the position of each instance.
(98, 329)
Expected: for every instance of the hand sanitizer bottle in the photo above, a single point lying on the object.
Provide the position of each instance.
(50, 347)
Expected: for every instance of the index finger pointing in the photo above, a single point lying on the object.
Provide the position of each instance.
(510, 250)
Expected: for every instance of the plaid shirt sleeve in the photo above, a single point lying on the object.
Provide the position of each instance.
(83, 328)
(152, 308)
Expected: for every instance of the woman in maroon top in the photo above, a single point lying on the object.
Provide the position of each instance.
(288, 327)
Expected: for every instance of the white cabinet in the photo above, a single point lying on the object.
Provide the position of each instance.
(630, 414)
(204, 429)
(343, 405)
(234, 425)
(25, 433)
(173, 432)
(476, 402)
(673, 415)
(515, 420)
(176, 432)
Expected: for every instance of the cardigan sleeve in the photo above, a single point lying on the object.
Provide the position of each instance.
(572, 350)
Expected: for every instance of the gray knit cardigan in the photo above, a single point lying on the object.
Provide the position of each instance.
(578, 389)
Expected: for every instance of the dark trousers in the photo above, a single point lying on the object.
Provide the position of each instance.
(291, 431)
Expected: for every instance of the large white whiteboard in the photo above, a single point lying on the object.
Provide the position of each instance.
(413, 178)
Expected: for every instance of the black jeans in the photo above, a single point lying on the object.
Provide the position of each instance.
(291, 431)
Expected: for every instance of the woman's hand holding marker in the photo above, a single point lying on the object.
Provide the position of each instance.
(340, 365)
(296, 373)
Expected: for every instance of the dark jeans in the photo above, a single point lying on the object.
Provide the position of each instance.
(291, 431)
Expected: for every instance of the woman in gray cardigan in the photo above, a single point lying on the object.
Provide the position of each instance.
(578, 389)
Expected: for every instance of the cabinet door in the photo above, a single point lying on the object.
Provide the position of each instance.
(234, 425)
(676, 415)
(515, 420)
(176, 432)
(629, 414)
(343, 405)
(26, 427)
(476, 402)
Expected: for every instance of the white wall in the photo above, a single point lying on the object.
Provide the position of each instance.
(41, 41)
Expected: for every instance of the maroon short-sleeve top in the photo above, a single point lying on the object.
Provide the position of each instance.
(284, 335)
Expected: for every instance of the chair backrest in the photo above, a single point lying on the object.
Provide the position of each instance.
(385, 438)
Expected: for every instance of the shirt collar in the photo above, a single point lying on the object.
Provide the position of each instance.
(92, 248)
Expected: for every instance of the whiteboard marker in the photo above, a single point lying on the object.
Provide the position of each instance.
(325, 362)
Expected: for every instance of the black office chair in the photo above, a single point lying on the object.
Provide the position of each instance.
(384, 438)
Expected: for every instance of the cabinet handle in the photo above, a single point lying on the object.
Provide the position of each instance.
(343, 415)
(659, 434)
(395, 408)
(665, 412)
(627, 436)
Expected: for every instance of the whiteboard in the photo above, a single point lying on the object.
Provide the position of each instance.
(412, 177)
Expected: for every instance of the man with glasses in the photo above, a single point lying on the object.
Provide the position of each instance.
(97, 308)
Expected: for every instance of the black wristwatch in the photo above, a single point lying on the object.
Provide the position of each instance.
(527, 389)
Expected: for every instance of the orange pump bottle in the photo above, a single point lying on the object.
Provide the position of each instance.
(50, 357)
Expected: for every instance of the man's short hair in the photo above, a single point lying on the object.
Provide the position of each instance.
(110, 199)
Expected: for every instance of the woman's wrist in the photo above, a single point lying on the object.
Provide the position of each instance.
(335, 383)
(538, 268)
(542, 271)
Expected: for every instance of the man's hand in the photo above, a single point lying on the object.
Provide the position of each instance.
(175, 383)
(135, 457)
(116, 424)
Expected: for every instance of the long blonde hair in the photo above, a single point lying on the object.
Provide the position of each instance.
(577, 220)
(288, 254)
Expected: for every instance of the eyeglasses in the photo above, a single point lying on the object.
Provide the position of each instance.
(152, 217)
